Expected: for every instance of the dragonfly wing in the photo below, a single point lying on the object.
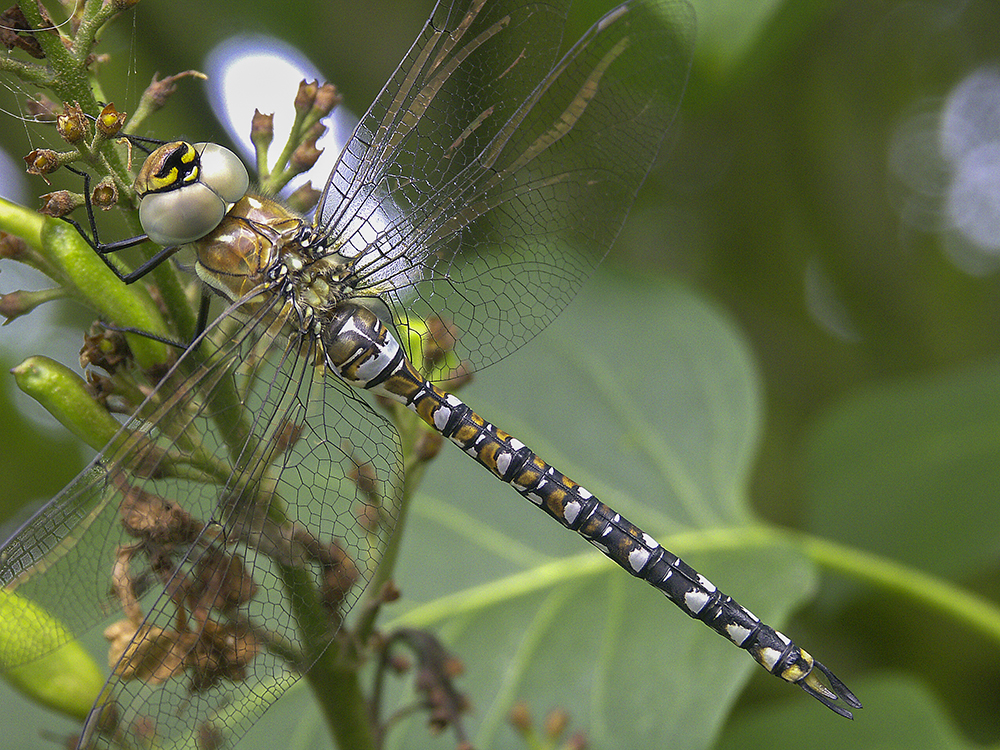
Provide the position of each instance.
(453, 63)
(249, 481)
(506, 174)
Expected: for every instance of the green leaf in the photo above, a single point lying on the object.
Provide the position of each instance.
(912, 465)
(66, 679)
(739, 41)
(906, 716)
(648, 397)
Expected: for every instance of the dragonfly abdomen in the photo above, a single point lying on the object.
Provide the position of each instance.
(364, 352)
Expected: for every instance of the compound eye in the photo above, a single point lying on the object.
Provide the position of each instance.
(185, 190)
(223, 171)
(181, 216)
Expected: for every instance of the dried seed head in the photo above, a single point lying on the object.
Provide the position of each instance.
(428, 446)
(110, 121)
(364, 477)
(42, 161)
(15, 31)
(221, 580)
(390, 592)
(144, 730)
(154, 519)
(104, 348)
(444, 333)
(369, 517)
(338, 580)
(221, 652)
(210, 737)
(105, 194)
(59, 203)
(400, 664)
(340, 574)
(460, 376)
(145, 652)
(520, 717)
(158, 91)
(453, 667)
(72, 124)
(556, 722)
(12, 246)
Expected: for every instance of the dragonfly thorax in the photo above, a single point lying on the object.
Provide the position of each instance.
(262, 252)
(245, 252)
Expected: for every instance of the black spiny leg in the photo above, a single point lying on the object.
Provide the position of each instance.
(103, 249)
(200, 324)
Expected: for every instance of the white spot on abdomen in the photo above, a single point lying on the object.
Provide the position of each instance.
(441, 417)
(638, 558)
(737, 634)
(503, 462)
(695, 601)
(769, 657)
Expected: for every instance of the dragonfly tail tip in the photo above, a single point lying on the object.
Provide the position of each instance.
(832, 694)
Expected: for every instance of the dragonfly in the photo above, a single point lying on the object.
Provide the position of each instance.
(255, 484)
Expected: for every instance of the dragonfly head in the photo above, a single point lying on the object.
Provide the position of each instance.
(186, 189)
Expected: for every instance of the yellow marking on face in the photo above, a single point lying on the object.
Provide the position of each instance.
(169, 167)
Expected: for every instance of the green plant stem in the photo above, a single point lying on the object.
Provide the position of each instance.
(945, 597)
(936, 593)
(69, 79)
(22, 222)
(338, 691)
(333, 679)
(410, 429)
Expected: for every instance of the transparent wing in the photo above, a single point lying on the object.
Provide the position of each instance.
(223, 535)
(488, 179)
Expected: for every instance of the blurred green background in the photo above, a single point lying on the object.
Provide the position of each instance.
(802, 191)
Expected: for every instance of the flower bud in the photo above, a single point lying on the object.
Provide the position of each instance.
(305, 156)
(39, 658)
(305, 96)
(65, 396)
(261, 128)
(326, 99)
(15, 304)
